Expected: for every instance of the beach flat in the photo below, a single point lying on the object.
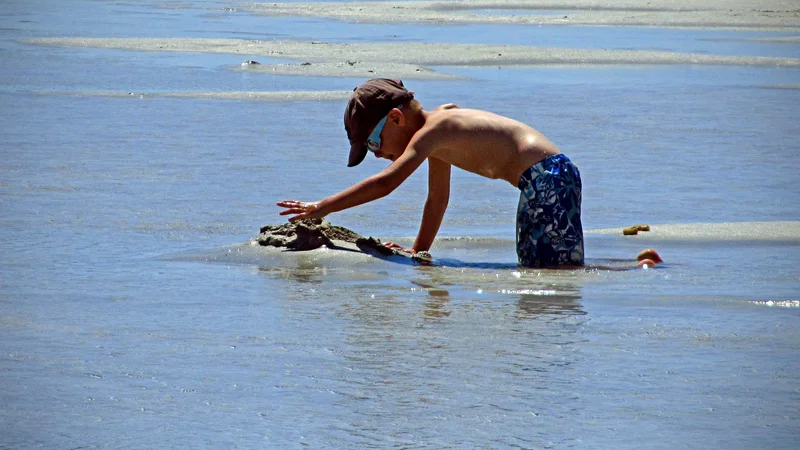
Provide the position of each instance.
(405, 60)
(737, 14)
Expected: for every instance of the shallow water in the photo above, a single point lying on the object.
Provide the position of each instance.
(133, 315)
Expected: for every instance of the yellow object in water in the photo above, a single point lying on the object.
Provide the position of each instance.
(635, 229)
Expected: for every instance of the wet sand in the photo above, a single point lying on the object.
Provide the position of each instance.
(446, 252)
(405, 60)
(783, 86)
(737, 14)
(265, 96)
(788, 231)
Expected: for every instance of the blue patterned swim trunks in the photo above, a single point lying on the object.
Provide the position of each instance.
(549, 229)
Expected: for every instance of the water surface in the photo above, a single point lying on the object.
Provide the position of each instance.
(132, 314)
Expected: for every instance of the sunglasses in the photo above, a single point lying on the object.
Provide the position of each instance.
(373, 143)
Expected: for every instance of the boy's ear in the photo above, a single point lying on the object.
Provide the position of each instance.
(397, 117)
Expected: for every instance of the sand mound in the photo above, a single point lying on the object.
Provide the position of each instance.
(312, 234)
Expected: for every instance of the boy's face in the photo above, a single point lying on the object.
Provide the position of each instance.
(392, 137)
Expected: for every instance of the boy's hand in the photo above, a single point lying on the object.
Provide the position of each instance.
(394, 246)
(301, 210)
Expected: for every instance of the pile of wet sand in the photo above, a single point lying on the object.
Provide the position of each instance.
(311, 234)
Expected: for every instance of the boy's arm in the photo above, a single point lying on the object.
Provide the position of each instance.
(373, 188)
(435, 205)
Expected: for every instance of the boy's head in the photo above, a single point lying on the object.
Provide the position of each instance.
(368, 105)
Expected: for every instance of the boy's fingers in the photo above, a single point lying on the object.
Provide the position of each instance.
(293, 211)
(394, 246)
(301, 210)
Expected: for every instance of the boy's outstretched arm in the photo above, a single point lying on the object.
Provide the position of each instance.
(373, 188)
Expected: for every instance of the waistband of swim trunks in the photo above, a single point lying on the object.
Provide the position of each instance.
(533, 171)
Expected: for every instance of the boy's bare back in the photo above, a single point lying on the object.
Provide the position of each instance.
(482, 142)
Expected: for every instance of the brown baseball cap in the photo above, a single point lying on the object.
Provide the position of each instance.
(367, 106)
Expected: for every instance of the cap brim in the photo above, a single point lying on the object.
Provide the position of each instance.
(357, 154)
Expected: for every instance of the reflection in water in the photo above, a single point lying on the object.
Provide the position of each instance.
(458, 264)
(436, 306)
(539, 292)
(301, 274)
(485, 343)
(443, 351)
(531, 305)
(556, 294)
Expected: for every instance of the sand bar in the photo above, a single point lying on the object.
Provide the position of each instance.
(266, 96)
(355, 69)
(782, 86)
(408, 60)
(736, 14)
(780, 40)
(788, 231)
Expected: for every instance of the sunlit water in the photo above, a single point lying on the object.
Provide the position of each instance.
(133, 314)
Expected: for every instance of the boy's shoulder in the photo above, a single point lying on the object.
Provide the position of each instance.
(446, 106)
(451, 117)
(438, 117)
(444, 125)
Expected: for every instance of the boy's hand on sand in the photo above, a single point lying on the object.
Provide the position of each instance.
(394, 246)
(301, 210)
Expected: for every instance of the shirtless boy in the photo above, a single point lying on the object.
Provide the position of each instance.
(383, 118)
